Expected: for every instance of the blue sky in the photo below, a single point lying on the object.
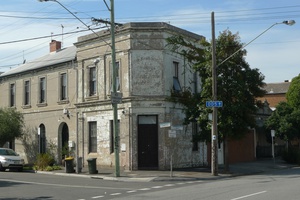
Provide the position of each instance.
(275, 53)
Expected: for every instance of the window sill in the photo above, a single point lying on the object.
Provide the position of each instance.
(60, 102)
(92, 98)
(41, 104)
(26, 106)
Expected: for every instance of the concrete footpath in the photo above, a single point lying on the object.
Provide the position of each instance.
(187, 174)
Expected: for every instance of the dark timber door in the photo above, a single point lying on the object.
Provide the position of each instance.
(147, 142)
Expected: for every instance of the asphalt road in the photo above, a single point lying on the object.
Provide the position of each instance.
(278, 185)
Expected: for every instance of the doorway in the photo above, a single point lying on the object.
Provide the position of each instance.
(147, 142)
(65, 140)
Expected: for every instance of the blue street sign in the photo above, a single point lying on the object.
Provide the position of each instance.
(214, 104)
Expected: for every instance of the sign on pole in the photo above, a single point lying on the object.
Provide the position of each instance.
(210, 104)
(116, 97)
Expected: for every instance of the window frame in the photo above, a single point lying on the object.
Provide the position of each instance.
(111, 136)
(63, 86)
(27, 90)
(42, 90)
(92, 131)
(42, 139)
(176, 82)
(195, 129)
(92, 78)
(176, 69)
(118, 72)
(12, 94)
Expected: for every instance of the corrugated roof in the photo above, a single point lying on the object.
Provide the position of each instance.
(53, 58)
(277, 88)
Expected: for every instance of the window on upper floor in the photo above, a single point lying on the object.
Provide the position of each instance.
(63, 87)
(92, 81)
(176, 83)
(92, 137)
(26, 93)
(42, 90)
(12, 95)
(117, 74)
(176, 70)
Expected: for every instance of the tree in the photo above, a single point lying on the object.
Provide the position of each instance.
(281, 121)
(293, 93)
(11, 125)
(238, 86)
(285, 120)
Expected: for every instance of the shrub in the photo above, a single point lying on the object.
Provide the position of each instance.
(292, 156)
(43, 161)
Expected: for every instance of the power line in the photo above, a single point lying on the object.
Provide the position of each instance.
(42, 37)
(42, 18)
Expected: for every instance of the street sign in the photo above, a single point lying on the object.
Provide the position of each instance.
(116, 97)
(214, 104)
(164, 124)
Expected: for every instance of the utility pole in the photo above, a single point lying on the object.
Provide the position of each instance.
(114, 86)
(214, 130)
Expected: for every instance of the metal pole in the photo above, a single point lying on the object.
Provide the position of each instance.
(114, 86)
(214, 130)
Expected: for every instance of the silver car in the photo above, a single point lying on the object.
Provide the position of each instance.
(9, 159)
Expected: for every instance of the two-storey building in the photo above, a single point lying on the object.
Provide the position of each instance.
(44, 90)
(65, 97)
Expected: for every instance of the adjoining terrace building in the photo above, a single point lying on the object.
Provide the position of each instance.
(65, 99)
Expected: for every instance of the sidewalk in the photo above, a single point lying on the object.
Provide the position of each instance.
(188, 174)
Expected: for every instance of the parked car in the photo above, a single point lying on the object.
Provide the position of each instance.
(9, 159)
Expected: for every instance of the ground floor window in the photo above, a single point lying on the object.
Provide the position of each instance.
(92, 137)
(42, 139)
(112, 138)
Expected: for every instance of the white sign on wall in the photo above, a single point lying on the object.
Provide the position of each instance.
(172, 133)
(164, 124)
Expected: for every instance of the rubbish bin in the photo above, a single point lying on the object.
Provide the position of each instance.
(69, 165)
(92, 165)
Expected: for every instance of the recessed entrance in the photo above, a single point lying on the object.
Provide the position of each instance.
(147, 142)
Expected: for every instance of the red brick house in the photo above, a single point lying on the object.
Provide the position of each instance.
(254, 143)
(276, 92)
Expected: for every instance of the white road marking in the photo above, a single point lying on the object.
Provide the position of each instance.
(61, 185)
(97, 197)
(144, 189)
(169, 185)
(157, 187)
(115, 194)
(132, 191)
(249, 195)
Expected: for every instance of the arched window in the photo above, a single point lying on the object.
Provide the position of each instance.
(42, 138)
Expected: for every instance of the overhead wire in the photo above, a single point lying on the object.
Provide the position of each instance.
(224, 18)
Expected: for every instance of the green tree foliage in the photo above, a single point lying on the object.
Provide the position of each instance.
(238, 85)
(11, 125)
(293, 94)
(285, 120)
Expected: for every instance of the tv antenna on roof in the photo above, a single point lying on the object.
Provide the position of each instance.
(62, 35)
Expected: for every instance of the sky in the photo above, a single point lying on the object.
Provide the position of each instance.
(27, 27)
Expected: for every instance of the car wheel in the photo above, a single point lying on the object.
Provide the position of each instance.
(20, 169)
(2, 169)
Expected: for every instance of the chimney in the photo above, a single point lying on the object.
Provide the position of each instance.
(55, 45)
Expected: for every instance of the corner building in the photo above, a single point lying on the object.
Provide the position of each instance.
(147, 72)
